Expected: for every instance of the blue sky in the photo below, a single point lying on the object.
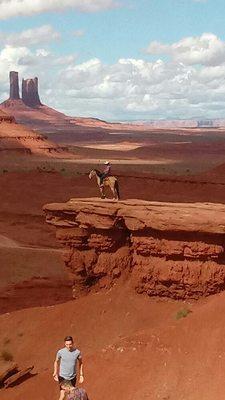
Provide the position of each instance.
(145, 59)
(125, 31)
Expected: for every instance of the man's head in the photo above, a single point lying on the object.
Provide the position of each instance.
(69, 342)
(67, 386)
(106, 162)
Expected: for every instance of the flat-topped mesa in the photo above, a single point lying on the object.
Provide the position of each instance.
(166, 249)
(30, 95)
(14, 85)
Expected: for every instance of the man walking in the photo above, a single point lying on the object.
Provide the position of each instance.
(65, 365)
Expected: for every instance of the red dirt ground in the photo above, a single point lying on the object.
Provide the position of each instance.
(21, 220)
(133, 346)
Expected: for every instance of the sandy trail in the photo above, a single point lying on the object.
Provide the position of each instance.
(7, 242)
(129, 161)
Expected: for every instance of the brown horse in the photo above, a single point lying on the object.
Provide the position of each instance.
(110, 181)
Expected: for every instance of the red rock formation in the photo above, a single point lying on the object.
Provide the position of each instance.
(16, 138)
(14, 86)
(4, 117)
(171, 250)
(30, 95)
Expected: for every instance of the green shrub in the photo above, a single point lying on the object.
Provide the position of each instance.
(183, 313)
(6, 355)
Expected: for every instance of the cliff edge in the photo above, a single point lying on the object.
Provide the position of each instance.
(174, 250)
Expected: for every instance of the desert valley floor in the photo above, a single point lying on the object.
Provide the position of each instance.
(134, 347)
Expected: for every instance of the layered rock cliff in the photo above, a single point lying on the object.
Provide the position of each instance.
(4, 117)
(165, 249)
(16, 138)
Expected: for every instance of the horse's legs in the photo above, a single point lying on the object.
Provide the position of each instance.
(101, 188)
(114, 192)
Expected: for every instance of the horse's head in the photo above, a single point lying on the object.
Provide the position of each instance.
(92, 173)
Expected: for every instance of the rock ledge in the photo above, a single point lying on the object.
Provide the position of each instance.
(172, 250)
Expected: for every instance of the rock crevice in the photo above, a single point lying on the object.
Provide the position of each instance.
(165, 249)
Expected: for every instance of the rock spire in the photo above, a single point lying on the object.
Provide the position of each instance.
(14, 85)
(30, 95)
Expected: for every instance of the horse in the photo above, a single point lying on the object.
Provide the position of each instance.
(110, 181)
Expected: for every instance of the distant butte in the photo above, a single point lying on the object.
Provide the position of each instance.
(30, 95)
(17, 139)
(30, 111)
(14, 85)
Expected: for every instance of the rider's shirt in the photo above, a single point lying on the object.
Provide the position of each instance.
(107, 170)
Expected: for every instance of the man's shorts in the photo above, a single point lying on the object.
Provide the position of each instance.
(73, 381)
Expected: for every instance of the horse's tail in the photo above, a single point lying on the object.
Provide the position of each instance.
(117, 189)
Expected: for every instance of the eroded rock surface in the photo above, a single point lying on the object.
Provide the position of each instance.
(14, 85)
(165, 249)
(30, 95)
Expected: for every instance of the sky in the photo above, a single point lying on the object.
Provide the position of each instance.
(118, 59)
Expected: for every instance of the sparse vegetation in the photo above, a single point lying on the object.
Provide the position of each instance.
(183, 313)
(6, 355)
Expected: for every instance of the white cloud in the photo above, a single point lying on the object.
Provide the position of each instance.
(14, 8)
(206, 49)
(11, 57)
(29, 37)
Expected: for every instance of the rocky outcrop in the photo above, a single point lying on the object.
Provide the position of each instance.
(4, 117)
(14, 86)
(165, 249)
(16, 138)
(30, 95)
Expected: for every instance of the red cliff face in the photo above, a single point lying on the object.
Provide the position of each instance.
(30, 95)
(164, 249)
(14, 86)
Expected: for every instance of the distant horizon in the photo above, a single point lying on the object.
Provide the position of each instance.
(194, 118)
(119, 59)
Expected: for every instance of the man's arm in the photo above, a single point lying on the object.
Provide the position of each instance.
(56, 369)
(80, 367)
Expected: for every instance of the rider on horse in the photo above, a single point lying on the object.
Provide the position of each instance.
(106, 172)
